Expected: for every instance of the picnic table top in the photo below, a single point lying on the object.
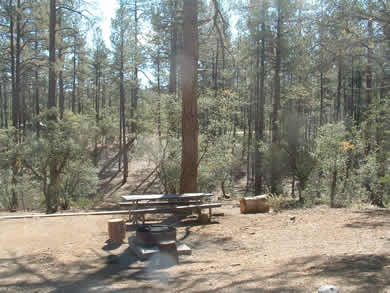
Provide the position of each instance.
(164, 196)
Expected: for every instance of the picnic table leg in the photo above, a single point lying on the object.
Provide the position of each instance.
(136, 216)
(210, 215)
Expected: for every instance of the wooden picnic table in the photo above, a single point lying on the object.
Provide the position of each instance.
(139, 205)
(152, 197)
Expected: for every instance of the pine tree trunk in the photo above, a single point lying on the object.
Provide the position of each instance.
(190, 128)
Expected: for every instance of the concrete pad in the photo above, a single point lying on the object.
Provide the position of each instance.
(144, 252)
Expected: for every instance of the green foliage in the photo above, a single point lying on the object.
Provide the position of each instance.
(343, 170)
(332, 151)
(57, 164)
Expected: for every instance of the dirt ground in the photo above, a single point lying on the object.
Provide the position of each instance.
(349, 248)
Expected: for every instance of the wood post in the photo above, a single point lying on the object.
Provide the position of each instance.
(116, 231)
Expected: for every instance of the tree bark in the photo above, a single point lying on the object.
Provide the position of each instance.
(190, 127)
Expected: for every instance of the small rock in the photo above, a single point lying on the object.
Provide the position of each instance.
(328, 289)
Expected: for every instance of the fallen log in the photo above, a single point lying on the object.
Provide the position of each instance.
(257, 204)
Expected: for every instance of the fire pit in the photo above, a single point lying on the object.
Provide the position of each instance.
(154, 234)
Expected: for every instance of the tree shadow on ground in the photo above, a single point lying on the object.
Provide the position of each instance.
(362, 273)
(371, 219)
(357, 273)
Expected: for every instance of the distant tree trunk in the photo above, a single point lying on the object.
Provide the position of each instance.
(357, 106)
(173, 52)
(377, 197)
(104, 98)
(158, 61)
(51, 195)
(122, 112)
(249, 143)
(172, 85)
(80, 92)
(36, 85)
(74, 74)
(190, 128)
(51, 103)
(215, 70)
(345, 98)
(369, 89)
(61, 94)
(259, 129)
(18, 55)
(97, 104)
(352, 97)
(12, 57)
(339, 85)
(321, 98)
(381, 133)
(1, 107)
(333, 187)
(5, 105)
(134, 89)
(276, 103)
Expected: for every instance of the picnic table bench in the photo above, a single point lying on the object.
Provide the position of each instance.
(140, 205)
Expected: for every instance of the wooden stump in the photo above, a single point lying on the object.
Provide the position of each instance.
(116, 231)
(256, 204)
(169, 248)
